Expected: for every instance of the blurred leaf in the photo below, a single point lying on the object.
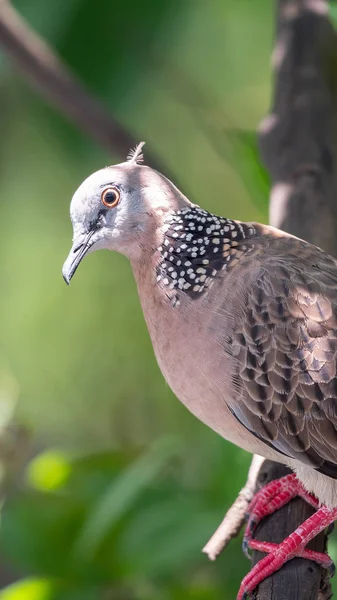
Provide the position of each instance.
(162, 538)
(37, 531)
(333, 10)
(49, 471)
(122, 493)
(244, 156)
(29, 589)
(49, 589)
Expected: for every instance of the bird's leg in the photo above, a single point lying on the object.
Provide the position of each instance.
(294, 545)
(271, 498)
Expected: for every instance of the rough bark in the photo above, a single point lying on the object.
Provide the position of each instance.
(298, 144)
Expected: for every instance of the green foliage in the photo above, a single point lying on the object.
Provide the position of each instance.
(121, 524)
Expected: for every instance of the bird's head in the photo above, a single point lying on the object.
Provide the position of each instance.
(117, 208)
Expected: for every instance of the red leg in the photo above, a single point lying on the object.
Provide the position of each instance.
(272, 497)
(318, 557)
(293, 545)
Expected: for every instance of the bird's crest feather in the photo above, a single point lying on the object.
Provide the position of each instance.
(136, 155)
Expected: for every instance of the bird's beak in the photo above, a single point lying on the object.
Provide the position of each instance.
(78, 251)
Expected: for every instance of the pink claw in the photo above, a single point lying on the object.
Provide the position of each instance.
(271, 498)
(294, 545)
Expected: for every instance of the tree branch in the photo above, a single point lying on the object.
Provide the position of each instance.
(44, 71)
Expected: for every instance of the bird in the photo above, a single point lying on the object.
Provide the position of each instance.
(243, 321)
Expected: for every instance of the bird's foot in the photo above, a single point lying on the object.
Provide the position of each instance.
(269, 499)
(293, 546)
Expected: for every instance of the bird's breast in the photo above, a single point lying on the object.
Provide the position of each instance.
(189, 342)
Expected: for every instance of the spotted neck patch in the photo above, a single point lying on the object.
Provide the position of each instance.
(198, 245)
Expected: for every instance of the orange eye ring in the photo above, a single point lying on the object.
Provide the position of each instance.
(110, 197)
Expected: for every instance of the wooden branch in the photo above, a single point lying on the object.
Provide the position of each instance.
(299, 579)
(299, 145)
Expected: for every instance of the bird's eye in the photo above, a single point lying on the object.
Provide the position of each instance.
(110, 197)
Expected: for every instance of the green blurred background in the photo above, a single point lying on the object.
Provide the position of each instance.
(114, 486)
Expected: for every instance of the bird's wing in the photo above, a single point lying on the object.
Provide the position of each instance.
(286, 351)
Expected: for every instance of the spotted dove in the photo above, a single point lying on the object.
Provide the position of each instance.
(243, 321)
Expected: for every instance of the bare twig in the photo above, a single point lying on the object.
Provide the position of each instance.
(41, 67)
(235, 516)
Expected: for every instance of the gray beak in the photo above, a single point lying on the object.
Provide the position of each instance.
(78, 251)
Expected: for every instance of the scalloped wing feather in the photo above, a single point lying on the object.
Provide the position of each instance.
(286, 351)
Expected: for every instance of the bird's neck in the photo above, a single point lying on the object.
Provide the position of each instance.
(187, 253)
(193, 251)
(196, 246)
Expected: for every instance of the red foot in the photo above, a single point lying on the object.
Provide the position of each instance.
(320, 558)
(270, 498)
(292, 546)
